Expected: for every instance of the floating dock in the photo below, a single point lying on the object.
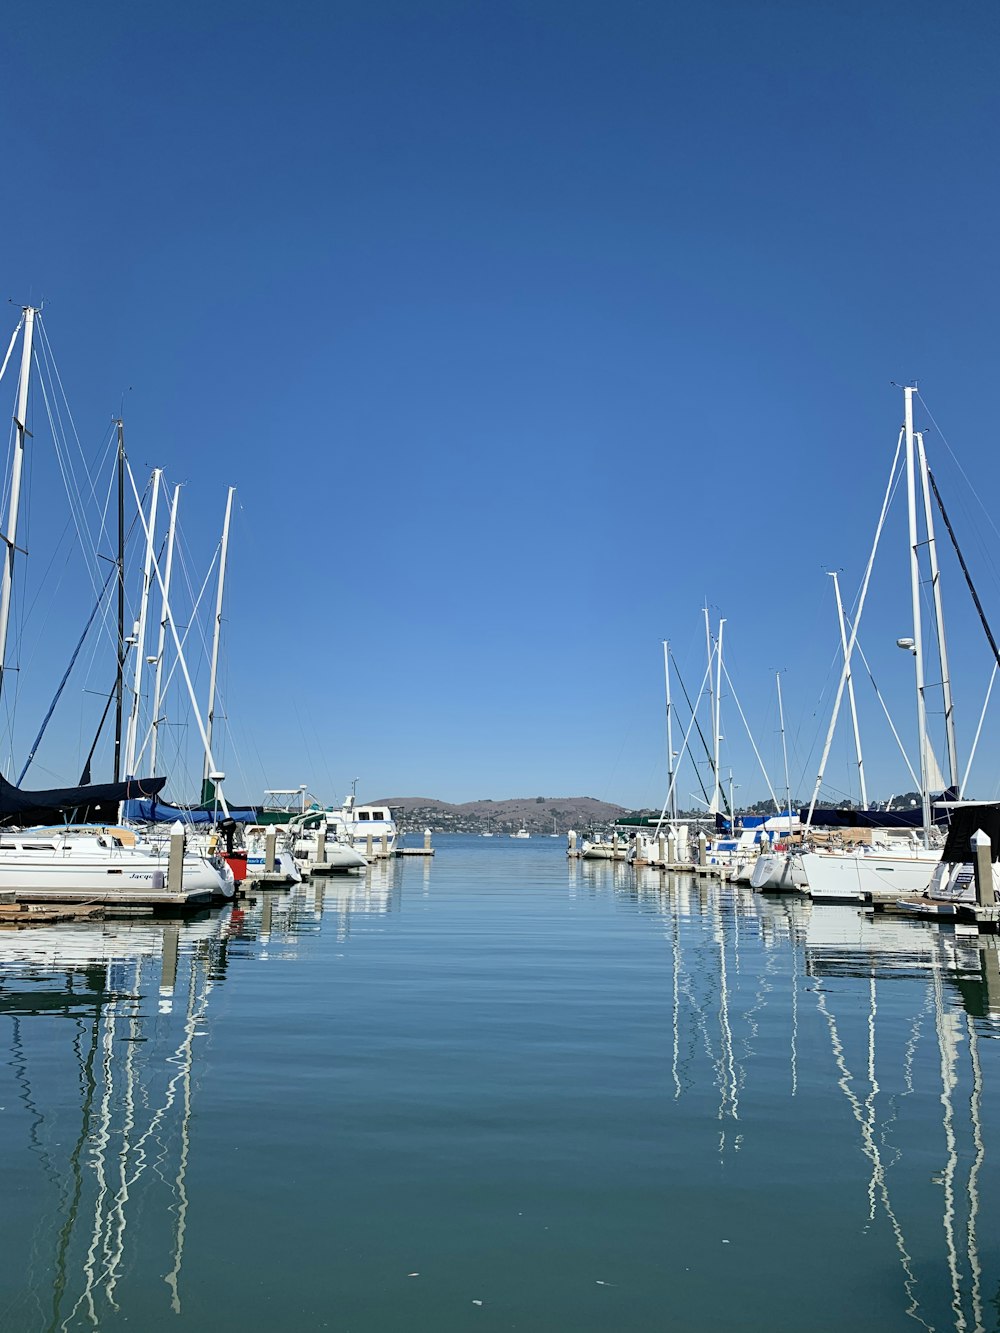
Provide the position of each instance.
(129, 899)
(985, 919)
(22, 916)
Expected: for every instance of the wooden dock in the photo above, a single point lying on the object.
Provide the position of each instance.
(22, 916)
(918, 908)
(414, 851)
(134, 899)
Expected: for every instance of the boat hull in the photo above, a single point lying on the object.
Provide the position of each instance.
(856, 879)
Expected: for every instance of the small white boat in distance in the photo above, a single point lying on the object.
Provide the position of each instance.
(522, 832)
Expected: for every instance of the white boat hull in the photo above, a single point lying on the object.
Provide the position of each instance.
(102, 872)
(777, 873)
(855, 879)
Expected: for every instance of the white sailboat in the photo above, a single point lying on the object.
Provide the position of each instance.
(855, 875)
(58, 863)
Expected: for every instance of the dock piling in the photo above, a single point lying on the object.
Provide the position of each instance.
(175, 861)
(983, 868)
(270, 851)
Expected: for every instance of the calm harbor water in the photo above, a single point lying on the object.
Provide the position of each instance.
(501, 1091)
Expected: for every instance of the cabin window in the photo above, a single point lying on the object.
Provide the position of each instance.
(363, 814)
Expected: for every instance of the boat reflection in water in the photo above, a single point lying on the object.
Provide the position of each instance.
(763, 1072)
(889, 1055)
(136, 994)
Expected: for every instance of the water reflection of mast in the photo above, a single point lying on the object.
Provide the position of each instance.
(729, 1106)
(949, 1036)
(110, 1217)
(871, 1150)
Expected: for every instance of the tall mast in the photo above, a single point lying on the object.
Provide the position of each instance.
(717, 720)
(918, 643)
(784, 753)
(178, 646)
(850, 690)
(10, 537)
(709, 652)
(949, 707)
(140, 631)
(670, 732)
(120, 676)
(206, 794)
(161, 640)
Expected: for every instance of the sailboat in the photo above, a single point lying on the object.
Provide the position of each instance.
(57, 863)
(887, 871)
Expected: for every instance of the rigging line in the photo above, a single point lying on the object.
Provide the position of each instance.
(65, 678)
(43, 369)
(854, 632)
(892, 495)
(173, 668)
(885, 709)
(965, 569)
(84, 545)
(979, 729)
(965, 476)
(746, 724)
(9, 463)
(697, 724)
(69, 411)
(13, 340)
(683, 751)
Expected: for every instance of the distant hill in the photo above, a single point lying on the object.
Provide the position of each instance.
(535, 813)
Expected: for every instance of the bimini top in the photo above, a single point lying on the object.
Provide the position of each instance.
(95, 803)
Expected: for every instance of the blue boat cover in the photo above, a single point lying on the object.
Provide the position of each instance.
(162, 812)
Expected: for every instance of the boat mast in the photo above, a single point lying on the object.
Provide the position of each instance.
(949, 707)
(709, 652)
(918, 644)
(178, 646)
(10, 537)
(784, 754)
(140, 631)
(206, 789)
(850, 689)
(670, 732)
(162, 638)
(717, 721)
(120, 673)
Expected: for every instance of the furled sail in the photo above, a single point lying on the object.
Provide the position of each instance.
(95, 803)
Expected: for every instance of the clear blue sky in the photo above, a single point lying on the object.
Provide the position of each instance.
(523, 328)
